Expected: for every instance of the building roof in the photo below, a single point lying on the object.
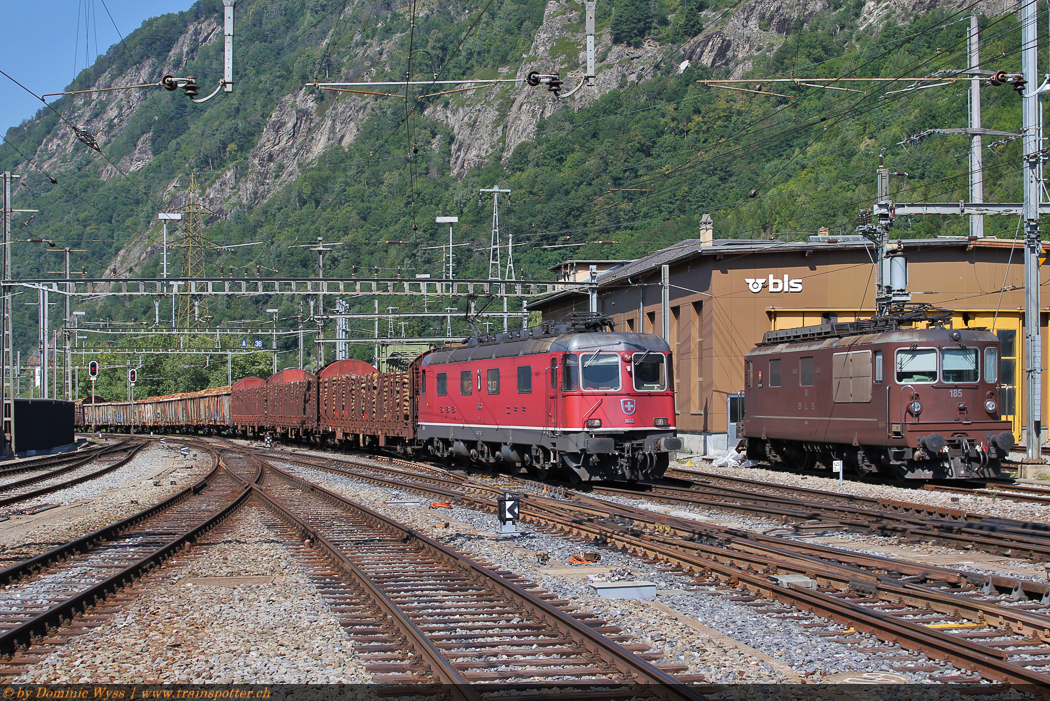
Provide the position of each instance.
(690, 248)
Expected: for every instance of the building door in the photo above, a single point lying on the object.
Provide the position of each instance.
(1008, 378)
(734, 415)
(1008, 326)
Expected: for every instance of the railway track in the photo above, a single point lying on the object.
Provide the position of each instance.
(464, 623)
(996, 626)
(16, 487)
(936, 524)
(42, 462)
(42, 593)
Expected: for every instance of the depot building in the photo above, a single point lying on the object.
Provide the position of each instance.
(719, 296)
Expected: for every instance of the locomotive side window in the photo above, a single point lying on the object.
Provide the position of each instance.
(991, 365)
(570, 372)
(805, 371)
(554, 373)
(493, 381)
(524, 379)
(649, 373)
(916, 365)
(601, 371)
(442, 384)
(959, 365)
(464, 382)
(774, 373)
(878, 367)
(747, 375)
(423, 383)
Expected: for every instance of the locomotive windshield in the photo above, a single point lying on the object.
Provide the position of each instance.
(959, 365)
(649, 375)
(916, 365)
(601, 371)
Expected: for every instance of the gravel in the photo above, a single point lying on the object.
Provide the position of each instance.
(177, 632)
(985, 505)
(472, 532)
(87, 507)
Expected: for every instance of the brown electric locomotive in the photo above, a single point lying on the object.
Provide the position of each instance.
(905, 403)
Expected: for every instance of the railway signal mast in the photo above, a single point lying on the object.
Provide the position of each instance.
(1033, 176)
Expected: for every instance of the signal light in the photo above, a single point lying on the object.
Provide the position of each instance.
(132, 375)
(93, 369)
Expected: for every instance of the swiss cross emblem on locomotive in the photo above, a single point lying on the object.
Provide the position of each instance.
(628, 406)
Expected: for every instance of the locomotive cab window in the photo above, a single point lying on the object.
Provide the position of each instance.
(570, 373)
(649, 375)
(916, 365)
(464, 382)
(991, 365)
(524, 379)
(493, 381)
(774, 373)
(442, 384)
(959, 365)
(601, 371)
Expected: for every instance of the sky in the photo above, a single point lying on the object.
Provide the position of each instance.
(45, 44)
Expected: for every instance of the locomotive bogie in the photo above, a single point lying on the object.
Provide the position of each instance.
(906, 403)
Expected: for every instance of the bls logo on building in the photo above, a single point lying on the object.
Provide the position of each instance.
(775, 284)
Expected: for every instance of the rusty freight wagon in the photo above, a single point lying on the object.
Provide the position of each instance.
(365, 407)
(291, 402)
(248, 405)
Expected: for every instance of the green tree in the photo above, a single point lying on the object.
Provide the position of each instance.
(631, 21)
(688, 23)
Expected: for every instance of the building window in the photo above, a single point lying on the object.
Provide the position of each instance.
(525, 379)
(442, 384)
(774, 373)
(493, 381)
(805, 371)
(464, 383)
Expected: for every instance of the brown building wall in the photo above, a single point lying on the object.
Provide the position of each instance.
(716, 318)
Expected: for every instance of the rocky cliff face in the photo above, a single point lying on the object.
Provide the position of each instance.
(487, 124)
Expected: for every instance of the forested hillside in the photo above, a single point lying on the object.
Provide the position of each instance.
(635, 161)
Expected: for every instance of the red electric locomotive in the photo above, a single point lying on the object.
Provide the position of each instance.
(594, 403)
(906, 403)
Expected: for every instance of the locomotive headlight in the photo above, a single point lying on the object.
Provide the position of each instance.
(915, 408)
(594, 423)
(662, 423)
(989, 406)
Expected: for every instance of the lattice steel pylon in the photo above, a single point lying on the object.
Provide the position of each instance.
(191, 311)
(494, 264)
